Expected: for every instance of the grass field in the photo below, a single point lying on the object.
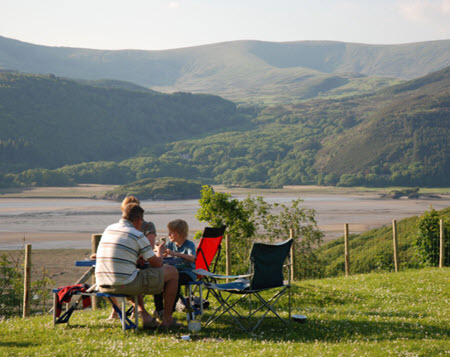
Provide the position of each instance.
(390, 314)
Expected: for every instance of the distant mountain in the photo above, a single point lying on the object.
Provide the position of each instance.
(47, 121)
(241, 70)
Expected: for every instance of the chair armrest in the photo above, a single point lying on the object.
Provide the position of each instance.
(203, 272)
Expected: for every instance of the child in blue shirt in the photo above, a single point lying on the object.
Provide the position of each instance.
(183, 253)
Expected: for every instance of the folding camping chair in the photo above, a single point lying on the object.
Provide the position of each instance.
(207, 256)
(265, 273)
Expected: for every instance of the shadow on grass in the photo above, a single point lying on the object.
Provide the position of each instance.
(272, 329)
(17, 344)
(341, 330)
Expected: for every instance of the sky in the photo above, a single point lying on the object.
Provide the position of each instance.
(168, 24)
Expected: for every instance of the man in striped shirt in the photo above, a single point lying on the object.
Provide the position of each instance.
(120, 247)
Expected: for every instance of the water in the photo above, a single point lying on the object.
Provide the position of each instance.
(59, 223)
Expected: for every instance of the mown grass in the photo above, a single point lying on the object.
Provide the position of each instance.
(382, 314)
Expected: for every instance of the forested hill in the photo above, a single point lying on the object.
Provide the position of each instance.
(397, 136)
(46, 121)
(410, 133)
(241, 70)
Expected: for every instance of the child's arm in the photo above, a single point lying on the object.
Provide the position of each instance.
(188, 257)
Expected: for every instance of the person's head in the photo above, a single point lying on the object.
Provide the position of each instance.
(134, 213)
(127, 200)
(178, 230)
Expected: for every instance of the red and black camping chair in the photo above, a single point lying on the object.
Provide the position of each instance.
(207, 256)
(209, 248)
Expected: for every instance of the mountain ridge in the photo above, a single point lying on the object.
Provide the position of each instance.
(247, 70)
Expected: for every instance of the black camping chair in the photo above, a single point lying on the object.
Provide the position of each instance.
(265, 273)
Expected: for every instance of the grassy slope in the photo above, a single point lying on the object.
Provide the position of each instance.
(372, 250)
(378, 315)
(250, 70)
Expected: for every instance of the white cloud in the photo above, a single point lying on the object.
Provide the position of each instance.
(446, 6)
(174, 4)
(428, 11)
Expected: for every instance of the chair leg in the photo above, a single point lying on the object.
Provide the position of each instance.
(136, 312)
(289, 292)
(269, 307)
(54, 308)
(124, 315)
(226, 309)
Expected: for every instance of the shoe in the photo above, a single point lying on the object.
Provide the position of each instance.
(159, 315)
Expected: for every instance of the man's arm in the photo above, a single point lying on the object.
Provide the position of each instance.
(157, 260)
(151, 238)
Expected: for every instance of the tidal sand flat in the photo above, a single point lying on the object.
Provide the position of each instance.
(61, 221)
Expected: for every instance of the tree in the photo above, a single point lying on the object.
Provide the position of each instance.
(220, 209)
(255, 218)
(275, 221)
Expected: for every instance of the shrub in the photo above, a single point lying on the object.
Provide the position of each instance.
(428, 237)
(253, 217)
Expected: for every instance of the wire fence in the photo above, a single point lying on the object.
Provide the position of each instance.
(26, 277)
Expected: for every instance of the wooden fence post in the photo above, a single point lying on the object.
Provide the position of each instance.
(347, 256)
(441, 243)
(95, 240)
(228, 256)
(27, 281)
(395, 242)
(291, 235)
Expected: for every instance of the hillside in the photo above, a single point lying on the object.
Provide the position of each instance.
(372, 251)
(47, 121)
(396, 136)
(410, 128)
(241, 70)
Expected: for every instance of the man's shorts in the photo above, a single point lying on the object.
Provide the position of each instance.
(148, 281)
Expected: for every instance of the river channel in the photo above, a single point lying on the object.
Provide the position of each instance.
(51, 223)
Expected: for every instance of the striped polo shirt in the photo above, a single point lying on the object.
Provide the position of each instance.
(120, 247)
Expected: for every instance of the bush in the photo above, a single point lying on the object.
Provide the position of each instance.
(253, 217)
(428, 237)
(11, 288)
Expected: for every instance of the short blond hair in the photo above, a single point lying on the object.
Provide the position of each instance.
(179, 226)
(127, 200)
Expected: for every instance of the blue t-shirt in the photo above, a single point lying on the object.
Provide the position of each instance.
(188, 247)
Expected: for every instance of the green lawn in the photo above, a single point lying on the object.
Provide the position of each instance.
(399, 314)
